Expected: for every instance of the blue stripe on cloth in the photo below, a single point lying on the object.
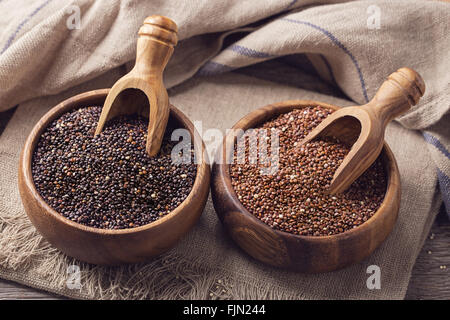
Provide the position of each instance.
(340, 45)
(444, 183)
(435, 142)
(19, 27)
(250, 52)
(212, 68)
(291, 4)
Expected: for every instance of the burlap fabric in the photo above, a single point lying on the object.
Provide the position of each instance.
(42, 62)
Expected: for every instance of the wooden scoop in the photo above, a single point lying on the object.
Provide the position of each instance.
(142, 91)
(364, 126)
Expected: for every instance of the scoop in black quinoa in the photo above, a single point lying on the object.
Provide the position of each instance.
(108, 181)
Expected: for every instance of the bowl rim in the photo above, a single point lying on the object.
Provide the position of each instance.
(393, 182)
(78, 101)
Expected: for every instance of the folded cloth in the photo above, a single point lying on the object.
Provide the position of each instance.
(46, 55)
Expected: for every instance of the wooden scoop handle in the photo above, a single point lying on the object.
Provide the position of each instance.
(155, 46)
(397, 94)
(157, 37)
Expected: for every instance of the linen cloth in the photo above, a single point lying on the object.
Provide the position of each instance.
(44, 60)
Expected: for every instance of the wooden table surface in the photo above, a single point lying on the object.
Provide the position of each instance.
(431, 273)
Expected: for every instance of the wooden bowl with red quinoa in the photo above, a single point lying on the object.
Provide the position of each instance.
(304, 249)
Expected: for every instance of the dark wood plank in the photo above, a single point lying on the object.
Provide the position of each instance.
(431, 274)
(11, 290)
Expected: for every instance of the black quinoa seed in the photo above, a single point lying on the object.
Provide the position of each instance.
(293, 199)
(108, 181)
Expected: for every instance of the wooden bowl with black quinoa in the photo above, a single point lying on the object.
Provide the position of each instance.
(284, 217)
(101, 199)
